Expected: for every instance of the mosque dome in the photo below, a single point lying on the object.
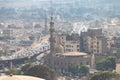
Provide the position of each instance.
(59, 49)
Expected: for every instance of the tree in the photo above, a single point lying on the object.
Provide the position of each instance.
(14, 71)
(79, 70)
(84, 70)
(39, 71)
(106, 76)
(26, 67)
(107, 64)
(73, 70)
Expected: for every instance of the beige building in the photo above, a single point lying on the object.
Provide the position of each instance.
(115, 47)
(96, 45)
(70, 43)
(8, 33)
(118, 68)
(93, 41)
(72, 46)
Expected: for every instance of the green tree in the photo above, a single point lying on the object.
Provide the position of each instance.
(26, 67)
(84, 70)
(74, 70)
(107, 64)
(79, 70)
(106, 76)
(14, 71)
(39, 71)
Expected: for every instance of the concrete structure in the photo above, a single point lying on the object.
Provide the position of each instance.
(63, 62)
(72, 46)
(117, 68)
(8, 33)
(115, 46)
(70, 43)
(26, 43)
(93, 41)
(19, 77)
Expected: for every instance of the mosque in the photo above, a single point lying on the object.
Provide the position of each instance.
(61, 59)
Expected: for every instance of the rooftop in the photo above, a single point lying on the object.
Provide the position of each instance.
(75, 54)
(19, 77)
(94, 28)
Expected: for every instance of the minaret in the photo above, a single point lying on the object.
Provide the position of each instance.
(52, 39)
(52, 36)
(46, 28)
(49, 59)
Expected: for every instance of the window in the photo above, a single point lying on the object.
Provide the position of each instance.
(68, 50)
(91, 46)
(97, 42)
(77, 45)
(67, 45)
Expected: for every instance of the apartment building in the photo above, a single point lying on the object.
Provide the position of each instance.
(93, 41)
(70, 43)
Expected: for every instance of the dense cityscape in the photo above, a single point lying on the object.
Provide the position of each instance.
(59, 40)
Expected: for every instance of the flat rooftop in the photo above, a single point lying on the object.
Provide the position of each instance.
(75, 54)
(19, 77)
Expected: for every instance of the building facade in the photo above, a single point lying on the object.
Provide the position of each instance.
(70, 43)
(61, 63)
(93, 41)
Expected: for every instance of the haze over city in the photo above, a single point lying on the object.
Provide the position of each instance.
(60, 39)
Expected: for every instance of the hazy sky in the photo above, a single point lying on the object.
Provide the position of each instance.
(25, 3)
(21, 3)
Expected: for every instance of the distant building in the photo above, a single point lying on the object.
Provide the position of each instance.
(115, 46)
(8, 33)
(26, 43)
(70, 43)
(61, 63)
(118, 68)
(93, 41)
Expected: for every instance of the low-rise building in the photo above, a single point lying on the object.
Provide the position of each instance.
(61, 63)
(70, 43)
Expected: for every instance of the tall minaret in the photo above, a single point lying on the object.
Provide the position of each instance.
(46, 28)
(52, 38)
(49, 59)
